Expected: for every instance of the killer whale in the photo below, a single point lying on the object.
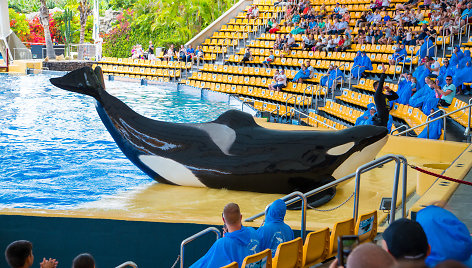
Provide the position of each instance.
(231, 152)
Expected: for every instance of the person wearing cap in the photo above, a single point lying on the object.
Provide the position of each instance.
(406, 240)
(448, 236)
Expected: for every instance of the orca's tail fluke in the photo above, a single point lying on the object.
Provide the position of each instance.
(84, 81)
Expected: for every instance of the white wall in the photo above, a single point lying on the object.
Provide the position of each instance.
(4, 19)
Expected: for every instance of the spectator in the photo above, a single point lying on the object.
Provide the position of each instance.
(19, 254)
(237, 243)
(198, 55)
(290, 43)
(370, 112)
(275, 231)
(346, 44)
(447, 93)
(303, 73)
(423, 94)
(84, 260)
(406, 88)
(269, 59)
(150, 52)
(367, 255)
(433, 66)
(308, 42)
(466, 15)
(399, 55)
(340, 43)
(280, 81)
(336, 10)
(247, 56)
(333, 76)
(456, 56)
(330, 44)
(448, 237)
(190, 52)
(462, 73)
(406, 240)
(361, 64)
(169, 55)
(435, 128)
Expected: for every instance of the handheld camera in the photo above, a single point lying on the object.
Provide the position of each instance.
(346, 244)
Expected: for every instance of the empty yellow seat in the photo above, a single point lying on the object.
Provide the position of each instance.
(366, 226)
(315, 249)
(289, 254)
(340, 228)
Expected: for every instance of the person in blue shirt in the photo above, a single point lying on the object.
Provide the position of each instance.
(275, 231)
(467, 14)
(237, 243)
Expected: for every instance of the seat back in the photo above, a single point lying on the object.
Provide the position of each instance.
(289, 254)
(340, 228)
(231, 265)
(315, 249)
(366, 226)
(262, 259)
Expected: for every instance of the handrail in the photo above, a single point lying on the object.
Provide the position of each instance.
(297, 111)
(286, 102)
(193, 237)
(398, 128)
(444, 123)
(128, 263)
(437, 118)
(467, 129)
(399, 159)
(298, 195)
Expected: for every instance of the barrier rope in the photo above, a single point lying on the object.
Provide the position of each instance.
(439, 175)
(176, 261)
(331, 209)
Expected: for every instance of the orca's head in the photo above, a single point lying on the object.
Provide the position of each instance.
(84, 81)
(362, 143)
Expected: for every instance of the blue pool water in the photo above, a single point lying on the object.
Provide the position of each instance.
(55, 152)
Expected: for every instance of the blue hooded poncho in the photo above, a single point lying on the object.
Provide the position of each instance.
(234, 246)
(400, 56)
(404, 91)
(302, 74)
(333, 75)
(421, 96)
(426, 49)
(275, 231)
(428, 104)
(448, 237)
(444, 71)
(463, 74)
(435, 129)
(361, 64)
(456, 57)
(420, 74)
(365, 116)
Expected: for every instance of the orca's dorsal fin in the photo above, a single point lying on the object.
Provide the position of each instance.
(236, 119)
(84, 81)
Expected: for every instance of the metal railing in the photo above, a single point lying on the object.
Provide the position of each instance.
(298, 195)
(399, 160)
(467, 132)
(308, 116)
(193, 237)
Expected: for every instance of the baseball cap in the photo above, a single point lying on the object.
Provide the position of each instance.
(406, 239)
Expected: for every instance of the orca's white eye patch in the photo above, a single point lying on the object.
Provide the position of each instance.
(341, 149)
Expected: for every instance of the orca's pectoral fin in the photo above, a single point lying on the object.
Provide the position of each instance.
(84, 81)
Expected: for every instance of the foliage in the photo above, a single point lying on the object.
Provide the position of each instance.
(19, 25)
(164, 22)
(28, 6)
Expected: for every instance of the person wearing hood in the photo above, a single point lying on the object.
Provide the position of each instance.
(361, 64)
(448, 237)
(237, 242)
(426, 49)
(334, 75)
(422, 95)
(361, 120)
(275, 231)
(463, 73)
(435, 128)
(445, 70)
(457, 55)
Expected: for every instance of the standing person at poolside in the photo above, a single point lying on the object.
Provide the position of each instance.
(19, 254)
(381, 100)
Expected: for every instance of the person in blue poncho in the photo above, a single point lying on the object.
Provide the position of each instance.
(275, 231)
(463, 73)
(361, 64)
(435, 128)
(237, 243)
(421, 73)
(334, 74)
(445, 70)
(423, 94)
(448, 237)
(457, 55)
(361, 120)
(405, 89)
(427, 48)
(399, 55)
(304, 73)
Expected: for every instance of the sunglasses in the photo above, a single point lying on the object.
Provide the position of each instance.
(448, 79)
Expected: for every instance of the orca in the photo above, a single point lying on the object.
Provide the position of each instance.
(232, 152)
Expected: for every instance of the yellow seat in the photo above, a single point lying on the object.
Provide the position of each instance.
(340, 228)
(315, 249)
(366, 226)
(261, 259)
(231, 265)
(289, 254)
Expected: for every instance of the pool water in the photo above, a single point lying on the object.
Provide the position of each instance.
(55, 153)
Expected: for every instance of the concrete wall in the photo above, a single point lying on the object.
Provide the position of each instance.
(66, 65)
(4, 19)
(216, 25)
